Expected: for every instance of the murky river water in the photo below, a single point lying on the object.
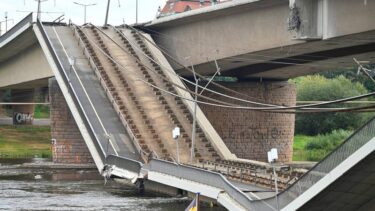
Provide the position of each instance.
(48, 189)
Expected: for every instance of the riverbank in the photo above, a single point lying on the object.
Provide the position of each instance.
(27, 141)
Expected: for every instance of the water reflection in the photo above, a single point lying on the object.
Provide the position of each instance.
(22, 189)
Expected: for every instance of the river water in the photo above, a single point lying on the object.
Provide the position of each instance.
(50, 189)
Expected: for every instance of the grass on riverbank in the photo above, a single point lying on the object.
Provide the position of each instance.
(25, 141)
(41, 112)
(315, 148)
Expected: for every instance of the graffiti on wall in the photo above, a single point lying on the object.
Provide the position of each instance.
(22, 118)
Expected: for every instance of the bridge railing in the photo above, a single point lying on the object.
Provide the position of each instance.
(114, 103)
(121, 162)
(346, 149)
(204, 177)
(76, 98)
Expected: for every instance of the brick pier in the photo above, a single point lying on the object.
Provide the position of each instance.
(68, 146)
(250, 134)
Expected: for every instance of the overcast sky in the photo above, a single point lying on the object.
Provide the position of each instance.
(120, 10)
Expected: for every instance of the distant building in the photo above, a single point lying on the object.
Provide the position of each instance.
(178, 6)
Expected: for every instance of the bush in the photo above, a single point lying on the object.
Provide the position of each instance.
(321, 145)
(319, 88)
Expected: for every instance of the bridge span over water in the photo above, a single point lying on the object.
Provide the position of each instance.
(114, 80)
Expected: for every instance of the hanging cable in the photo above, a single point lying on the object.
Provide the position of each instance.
(201, 102)
(252, 102)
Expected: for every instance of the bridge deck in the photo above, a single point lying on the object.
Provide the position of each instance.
(66, 47)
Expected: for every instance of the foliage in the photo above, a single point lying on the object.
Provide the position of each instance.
(315, 148)
(321, 145)
(319, 88)
(41, 112)
(352, 75)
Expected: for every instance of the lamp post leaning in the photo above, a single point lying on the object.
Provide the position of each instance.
(272, 158)
(176, 136)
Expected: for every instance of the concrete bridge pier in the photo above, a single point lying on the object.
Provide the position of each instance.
(23, 114)
(251, 134)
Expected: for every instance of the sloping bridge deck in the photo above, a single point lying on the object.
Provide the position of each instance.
(66, 48)
(121, 158)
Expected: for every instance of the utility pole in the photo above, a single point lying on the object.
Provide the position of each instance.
(84, 9)
(6, 23)
(136, 11)
(272, 158)
(106, 15)
(196, 79)
(39, 8)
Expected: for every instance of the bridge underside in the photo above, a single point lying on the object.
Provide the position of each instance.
(251, 40)
(292, 61)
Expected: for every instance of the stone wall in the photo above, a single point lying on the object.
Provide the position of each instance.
(68, 146)
(250, 134)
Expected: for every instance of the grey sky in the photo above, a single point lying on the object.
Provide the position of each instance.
(95, 14)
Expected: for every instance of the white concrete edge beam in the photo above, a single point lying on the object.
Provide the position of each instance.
(202, 120)
(211, 192)
(69, 100)
(332, 176)
(14, 35)
(125, 174)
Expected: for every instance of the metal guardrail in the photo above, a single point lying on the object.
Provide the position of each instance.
(346, 149)
(122, 162)
(66, 79)
(108, 93)
(204, 177)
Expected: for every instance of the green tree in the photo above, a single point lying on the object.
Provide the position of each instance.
(352, 75)
(317, 87)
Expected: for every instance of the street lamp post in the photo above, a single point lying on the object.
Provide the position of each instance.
(6, 23)
(84, 9)
(176, 136)
(136, 11)
(272, 157)
(106, 15)
(39, 8)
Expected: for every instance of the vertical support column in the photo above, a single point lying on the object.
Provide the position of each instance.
(251, 134)
(23, 114)
(68, 145)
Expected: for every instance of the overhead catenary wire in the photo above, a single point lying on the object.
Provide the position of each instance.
(322, 103)
(252, 102)
(216, 84)
(176, 95)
